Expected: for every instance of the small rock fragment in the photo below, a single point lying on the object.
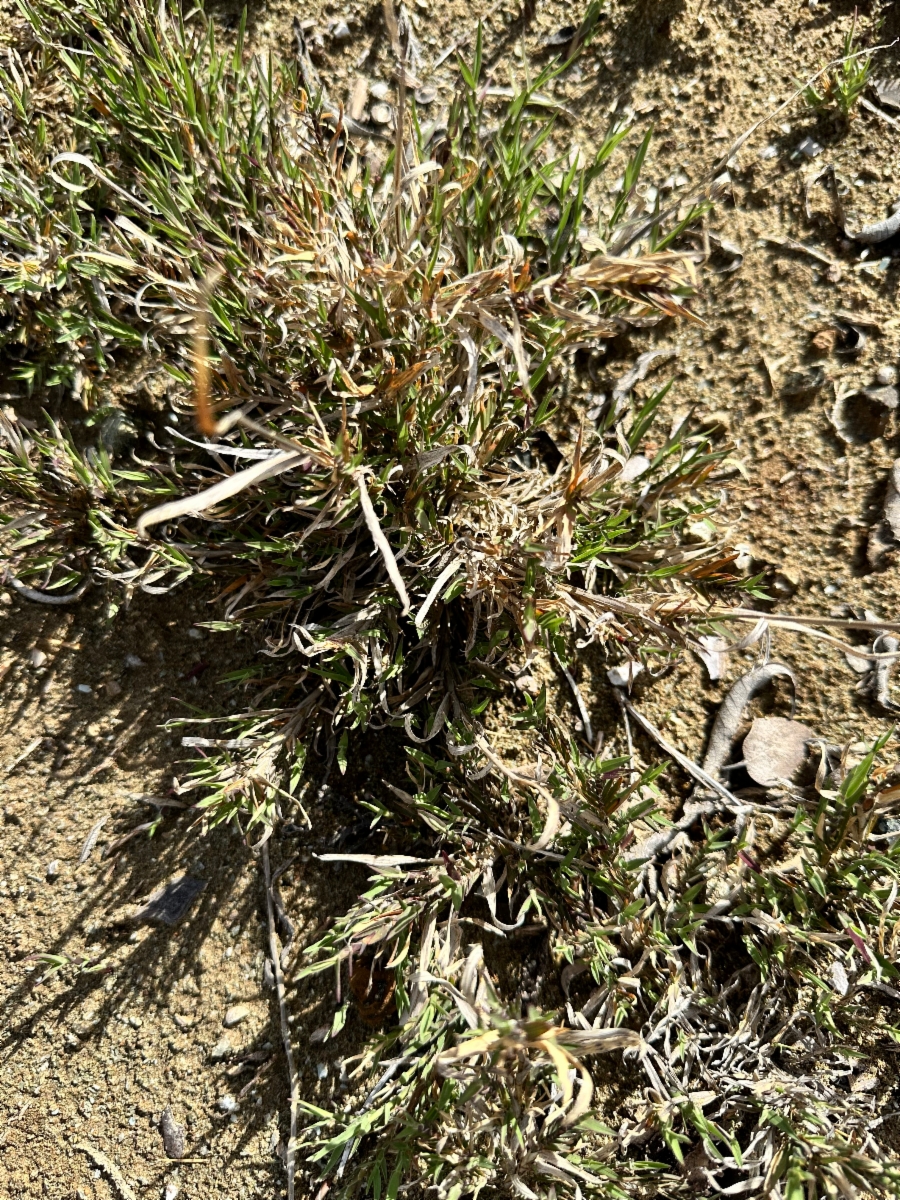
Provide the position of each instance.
(172, 1190)
(426, 95)
(37, 657)
(172, 1135)
(221, 1050)
(528, 683)
(84, 688)
(132, 661)
(825, 341)
(809, 147)
(235, 1015)
(892, 500)
(775, 749)
(624, 674)
(53, 868)
(340, 31)
(886, 376)
(227, 1104)
(379, 90)
(382, 114)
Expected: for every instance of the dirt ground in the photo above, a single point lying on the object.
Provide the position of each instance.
(91, 1056)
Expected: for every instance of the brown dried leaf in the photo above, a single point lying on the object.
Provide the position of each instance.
(775, 749)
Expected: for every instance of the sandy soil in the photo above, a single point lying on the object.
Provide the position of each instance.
(92, 1056)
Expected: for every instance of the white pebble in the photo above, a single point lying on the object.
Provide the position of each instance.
(53, 868)
(84, 688)
(227, 1104)
(322, 1070)
(236, 1014)
(624, 674)
(809, 147)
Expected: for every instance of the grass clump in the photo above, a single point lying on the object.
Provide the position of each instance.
(839, 89)
(370, 346)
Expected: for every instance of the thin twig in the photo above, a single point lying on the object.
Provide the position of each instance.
(580, 704)
(879, 112)
(682, 759)
(275, 956)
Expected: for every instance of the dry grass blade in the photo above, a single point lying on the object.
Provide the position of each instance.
(382, 543)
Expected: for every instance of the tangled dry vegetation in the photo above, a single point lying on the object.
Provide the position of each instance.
(371, 346)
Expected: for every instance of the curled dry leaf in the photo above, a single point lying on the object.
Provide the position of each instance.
(861, 416)
(731, 713)
(775, 749)
(711, 654)
(881, 231)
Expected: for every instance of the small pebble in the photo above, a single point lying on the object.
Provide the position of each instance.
(322, 1070)
(113, 688)
(36, 657)
(222, 1049)
(623, 675)
(172, 1135)
(53, 868)
(528, 683)
(426, 95)
(379, 90)
(132, 661)
(236, 1014)
(809, 147)
(227, 1104)
(84, 688)
(382, 114)
(171, 1191)
(770, 151)
(135, 1022)
(886, 376)
(340, 31)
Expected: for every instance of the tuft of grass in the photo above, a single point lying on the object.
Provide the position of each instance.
(840, 89)
(345, 361)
